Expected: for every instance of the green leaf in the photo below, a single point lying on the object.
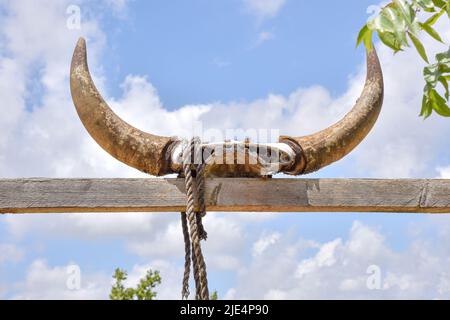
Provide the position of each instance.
(427, 5)
(434, 18)
(431, 74)
(361, 35)
(444, 83)
(419, 46)
(384, 22)
(431, 32)
(439, 104)
(365, 35)
(214, 296)
(443, 63)
(390, 40)
(427, 109)
(368, 41)
(399, 25)
(438, 73)
(406, 10)
(443, 59)
(439, 3)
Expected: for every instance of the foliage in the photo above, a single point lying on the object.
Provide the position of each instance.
(397, 24)
(214, 295)
(143, 291)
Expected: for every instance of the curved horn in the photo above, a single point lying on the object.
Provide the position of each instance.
(332, 144)
(140, 150)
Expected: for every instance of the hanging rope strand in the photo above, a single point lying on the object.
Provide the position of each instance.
(193, 221)
(200, 179)
(190, 215)
(187, 259)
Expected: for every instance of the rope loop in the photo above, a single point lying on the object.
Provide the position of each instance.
(191, 221)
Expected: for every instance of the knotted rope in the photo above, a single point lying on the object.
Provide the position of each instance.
(191, 221)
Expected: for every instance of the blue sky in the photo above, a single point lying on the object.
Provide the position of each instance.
(200, 51)
(162, 65)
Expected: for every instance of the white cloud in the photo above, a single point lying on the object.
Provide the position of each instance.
(444, 172)
(338, 269)
(10, 253)
(264, 8)
(90, 225)
(324, 258)
(286, 267)
(43, 282)
(40, 124)
(230, 294)
(119, 6)
(265, 242)
(145, 235)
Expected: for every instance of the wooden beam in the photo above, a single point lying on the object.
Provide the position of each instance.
(252, 195)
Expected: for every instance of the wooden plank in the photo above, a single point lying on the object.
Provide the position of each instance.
(251, 195)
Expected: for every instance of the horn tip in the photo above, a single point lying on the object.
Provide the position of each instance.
(80, 53)
(81, 44)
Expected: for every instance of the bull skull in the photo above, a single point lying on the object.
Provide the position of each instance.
(157, 155)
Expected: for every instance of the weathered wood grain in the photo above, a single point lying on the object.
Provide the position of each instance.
(251, 195)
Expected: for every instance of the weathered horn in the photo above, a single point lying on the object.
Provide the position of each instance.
(143, 151)
(332, 144)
